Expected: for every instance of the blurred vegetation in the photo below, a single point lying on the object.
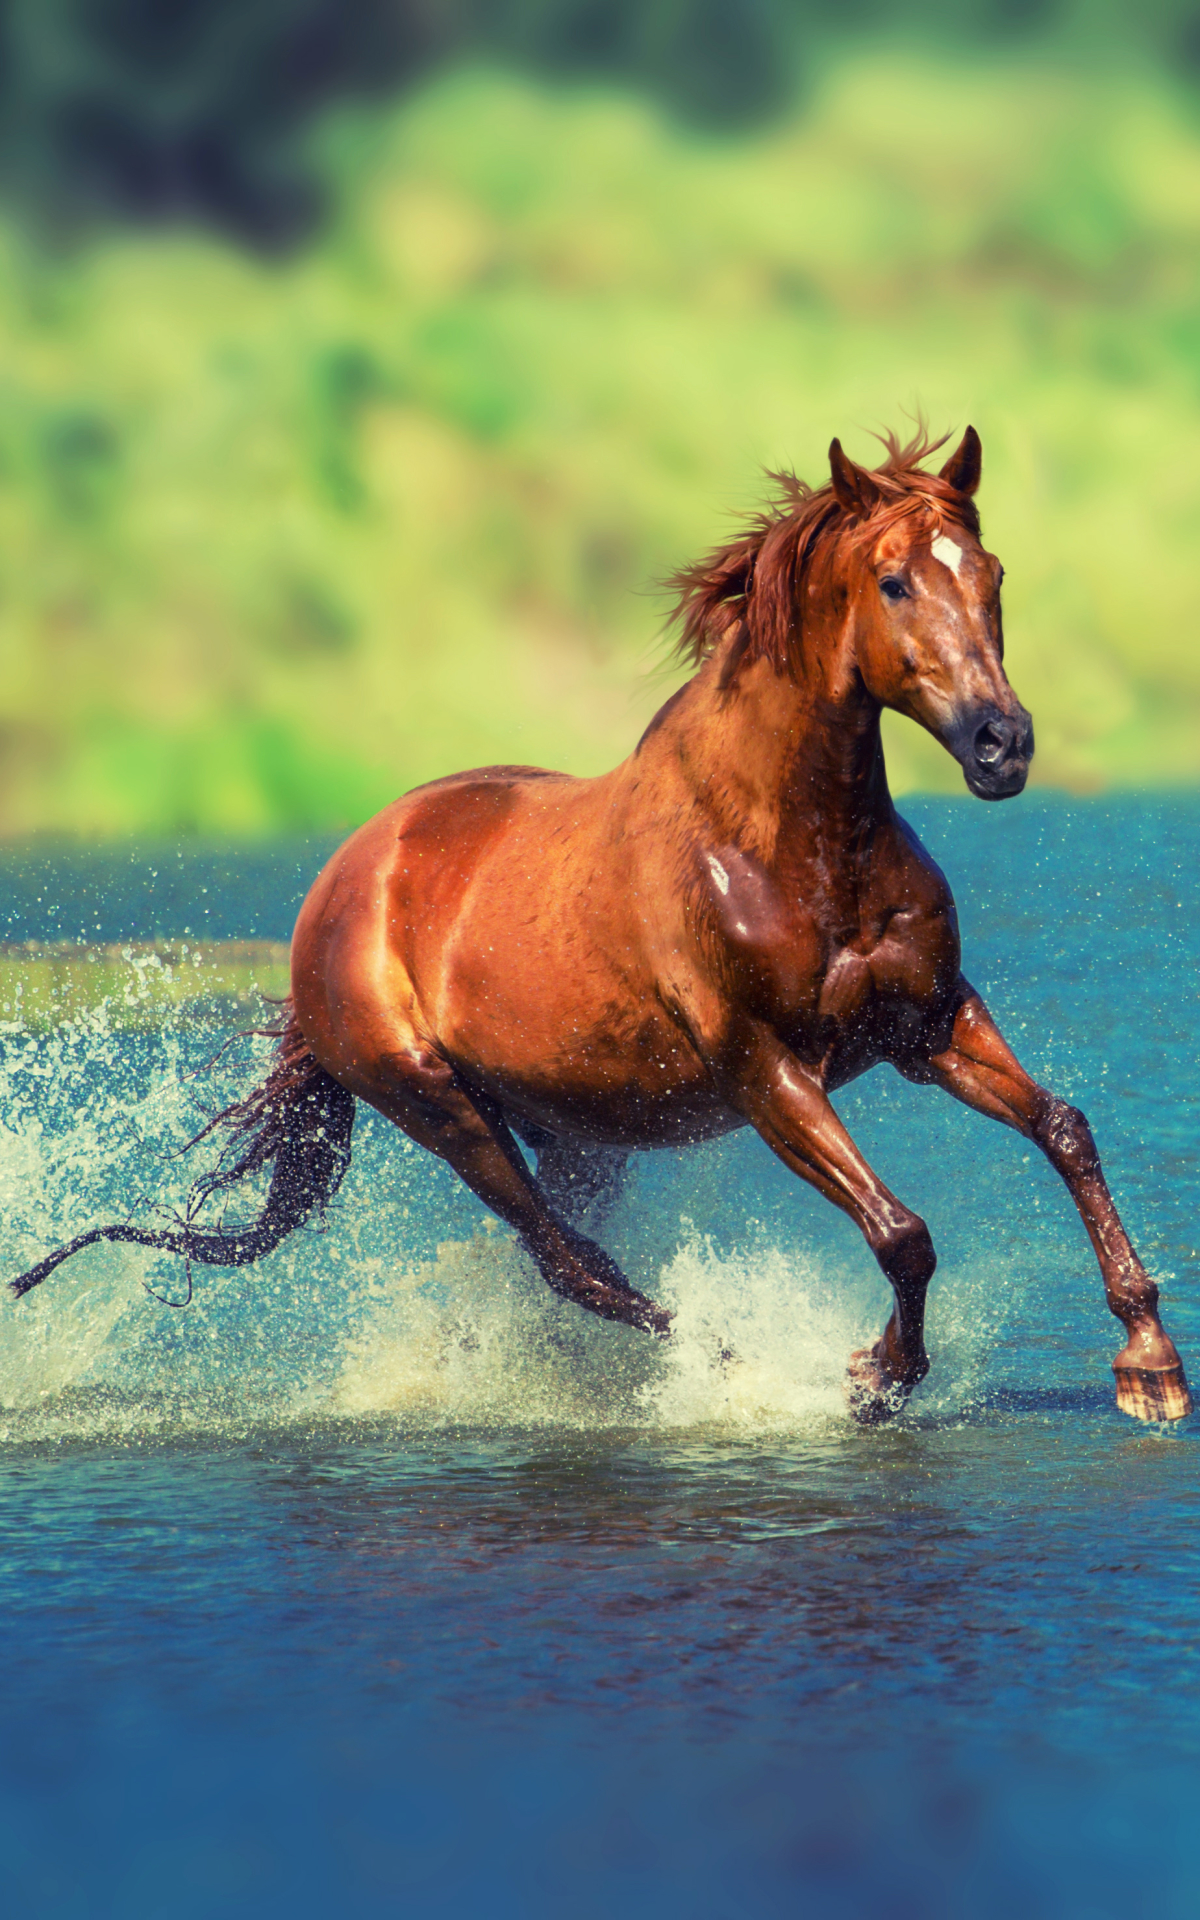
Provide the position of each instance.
(137, 984)
(282, 533)
(200, 107)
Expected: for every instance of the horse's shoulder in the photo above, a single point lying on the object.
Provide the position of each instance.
(908, 867)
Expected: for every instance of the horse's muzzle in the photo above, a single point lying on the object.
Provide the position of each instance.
(994, 749)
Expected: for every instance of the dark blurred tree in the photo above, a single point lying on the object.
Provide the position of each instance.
(160, 109)
(720, 61)
(198, 109)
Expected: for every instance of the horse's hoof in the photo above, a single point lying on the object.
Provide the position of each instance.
(644, 1314)
(872, 1394)
(1153, 1393)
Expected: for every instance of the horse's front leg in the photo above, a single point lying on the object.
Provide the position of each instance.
(979, 1068)
(787, 1104)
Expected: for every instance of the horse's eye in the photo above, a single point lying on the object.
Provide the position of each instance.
(893, 589)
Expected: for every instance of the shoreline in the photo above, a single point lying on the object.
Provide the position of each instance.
(138, 983)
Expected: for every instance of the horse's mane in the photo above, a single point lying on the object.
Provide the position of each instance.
(756, 578)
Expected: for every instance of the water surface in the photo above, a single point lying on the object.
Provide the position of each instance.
(379, 1579)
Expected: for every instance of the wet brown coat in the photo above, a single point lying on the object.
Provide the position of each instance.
(726, 927)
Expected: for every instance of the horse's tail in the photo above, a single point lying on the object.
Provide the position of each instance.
(301, 1118)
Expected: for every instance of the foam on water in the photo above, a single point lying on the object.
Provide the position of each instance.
(472, 1337)
(413, 1307)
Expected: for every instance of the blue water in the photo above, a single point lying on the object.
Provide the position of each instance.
(155, 891)
(378, 1580)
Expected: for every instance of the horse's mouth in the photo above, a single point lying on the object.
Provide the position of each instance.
(994, 749)
(1001, 783)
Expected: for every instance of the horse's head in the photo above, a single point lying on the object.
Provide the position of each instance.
(877, 580)
(925, 599)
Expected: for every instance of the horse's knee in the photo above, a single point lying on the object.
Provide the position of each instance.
(1063, 1134)
(906, 1253)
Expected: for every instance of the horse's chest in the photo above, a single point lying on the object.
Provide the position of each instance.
(818, 967)
(907, 966)
(877, 999)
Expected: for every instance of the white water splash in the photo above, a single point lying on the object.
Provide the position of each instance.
(373, 1321)
(759, 1346)
(87, 1135)
(475, 1338)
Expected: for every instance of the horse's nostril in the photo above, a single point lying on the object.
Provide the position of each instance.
(991, 743)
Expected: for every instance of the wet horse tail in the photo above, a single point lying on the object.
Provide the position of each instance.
(301, 1119)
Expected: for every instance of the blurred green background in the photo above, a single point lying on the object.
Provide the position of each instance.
(362, 367)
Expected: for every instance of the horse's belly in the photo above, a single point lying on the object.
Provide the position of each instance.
(625, 1117)
(642, 1089)
(583, 1050)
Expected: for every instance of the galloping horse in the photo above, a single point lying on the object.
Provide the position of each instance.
(719, 933)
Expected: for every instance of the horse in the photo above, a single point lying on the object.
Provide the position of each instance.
(719, 933)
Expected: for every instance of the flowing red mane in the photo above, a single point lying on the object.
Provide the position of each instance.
(755, 579)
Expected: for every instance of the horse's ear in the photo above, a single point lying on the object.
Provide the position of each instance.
(963, 468)
(853, 487)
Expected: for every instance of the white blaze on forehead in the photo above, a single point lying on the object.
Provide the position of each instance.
(948, 552)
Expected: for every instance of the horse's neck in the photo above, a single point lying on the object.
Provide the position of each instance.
(776, 762)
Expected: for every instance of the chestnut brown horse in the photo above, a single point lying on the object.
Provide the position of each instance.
(719, 933)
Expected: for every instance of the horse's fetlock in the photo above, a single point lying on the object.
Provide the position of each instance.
(1137, 1301)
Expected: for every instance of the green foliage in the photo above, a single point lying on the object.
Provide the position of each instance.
(280, 539)
(198, 109)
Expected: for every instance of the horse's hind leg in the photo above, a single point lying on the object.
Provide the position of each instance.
(581, 1181)
(980, 1069)
(419, 1090)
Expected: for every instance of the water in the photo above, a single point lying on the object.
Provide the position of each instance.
(378, 1579)
(156, 891)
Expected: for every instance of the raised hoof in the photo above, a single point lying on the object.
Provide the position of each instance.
(872, 1394)
(1153, 1393)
